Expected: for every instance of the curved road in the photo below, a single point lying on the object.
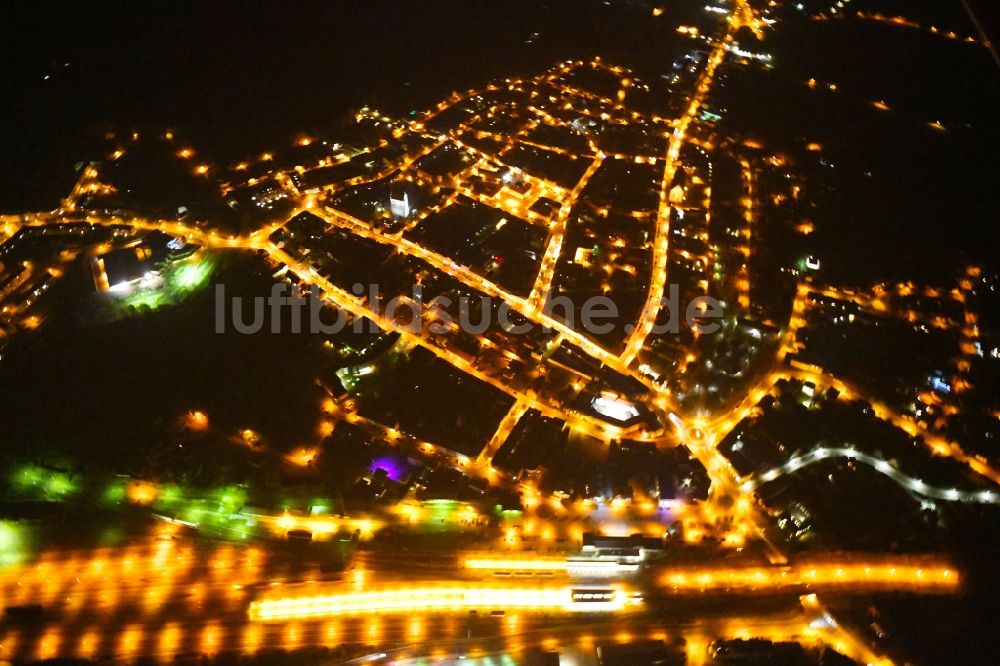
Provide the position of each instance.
(881, 465)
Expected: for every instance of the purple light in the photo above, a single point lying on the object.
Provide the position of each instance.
(392, 466)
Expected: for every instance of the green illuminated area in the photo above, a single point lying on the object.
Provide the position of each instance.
(214, 512)
(147, 298)
(115, 492)
(13, 543)
(220, 512)
(35, 482)
(190, 275)
(180, 279)
(224, 512)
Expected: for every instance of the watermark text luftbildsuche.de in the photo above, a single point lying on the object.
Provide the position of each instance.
(472, 314)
